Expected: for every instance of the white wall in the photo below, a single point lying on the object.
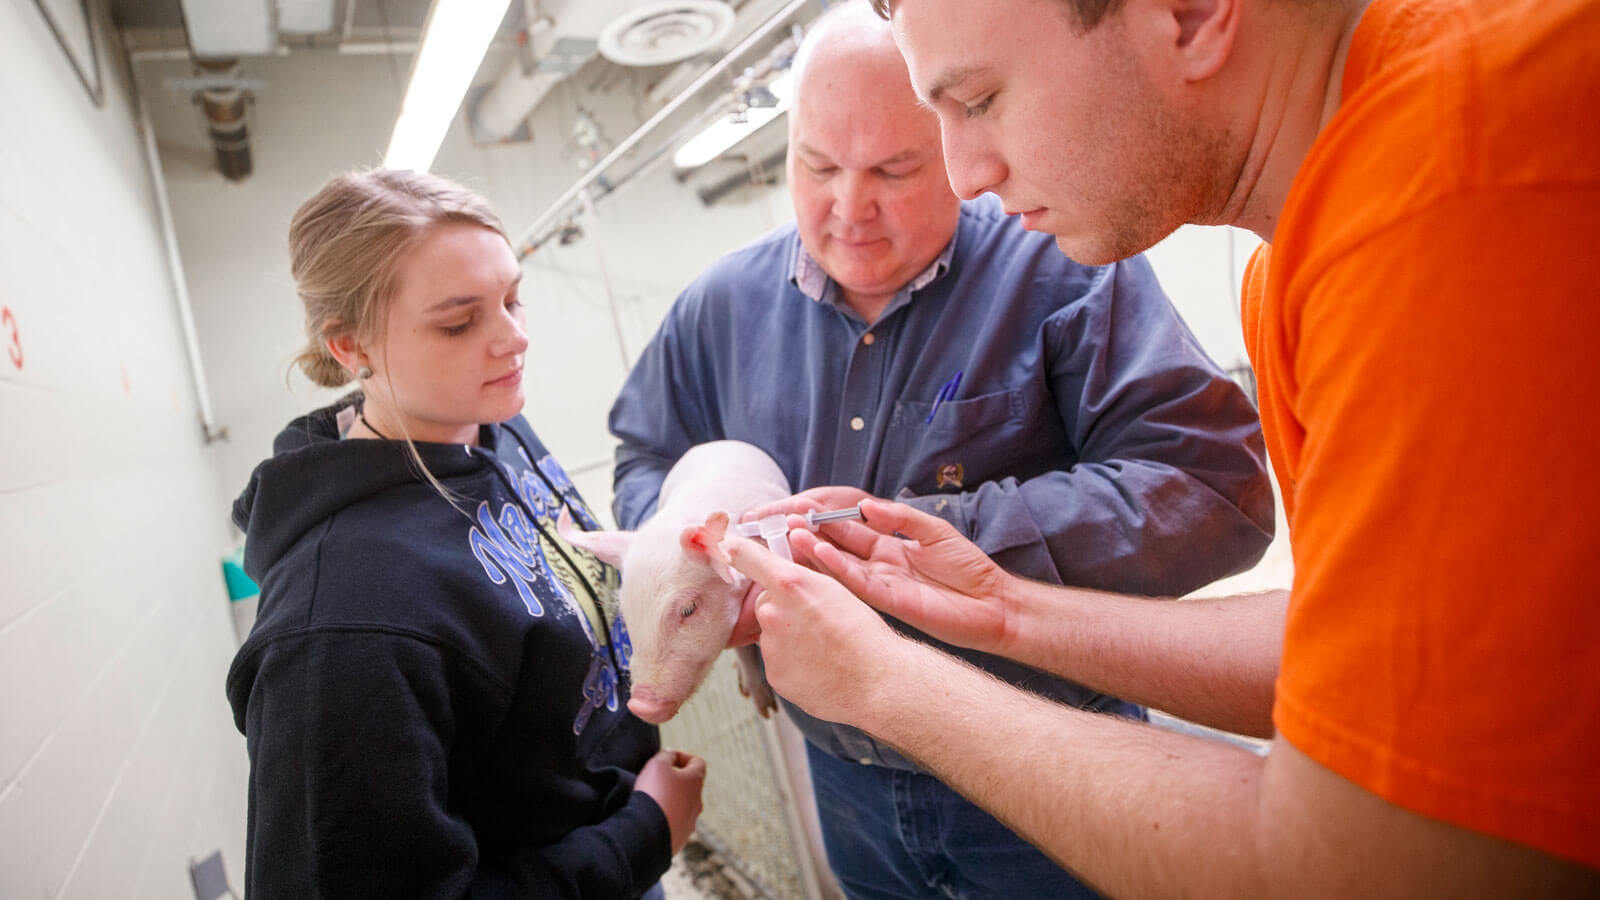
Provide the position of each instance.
(1193, 266)
(118, 761)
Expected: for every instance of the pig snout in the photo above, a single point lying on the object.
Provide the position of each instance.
(652, 707)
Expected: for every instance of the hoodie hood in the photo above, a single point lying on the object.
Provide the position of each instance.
(313, 473)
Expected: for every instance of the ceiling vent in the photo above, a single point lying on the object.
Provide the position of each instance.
(657, 33)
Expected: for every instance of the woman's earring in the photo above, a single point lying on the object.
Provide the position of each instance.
(364, 372)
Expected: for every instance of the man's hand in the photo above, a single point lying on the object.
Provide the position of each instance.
(824, 650)
(933, 579)
(673, 779)
(818, 499)
(746, 629)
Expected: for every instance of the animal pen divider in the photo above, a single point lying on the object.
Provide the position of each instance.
(757, 797)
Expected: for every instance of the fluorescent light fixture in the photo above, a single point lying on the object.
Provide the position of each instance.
(456, 36)
(724, 133)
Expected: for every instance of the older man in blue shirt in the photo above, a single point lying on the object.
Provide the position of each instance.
(899, 343)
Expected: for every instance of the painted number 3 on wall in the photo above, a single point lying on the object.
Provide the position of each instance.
(8, 328)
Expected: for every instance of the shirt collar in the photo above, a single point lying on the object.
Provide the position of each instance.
(808, 275)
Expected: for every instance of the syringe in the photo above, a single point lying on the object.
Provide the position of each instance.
(774, 529)
(814, 518)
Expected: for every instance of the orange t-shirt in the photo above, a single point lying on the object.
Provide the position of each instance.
(1425, 329)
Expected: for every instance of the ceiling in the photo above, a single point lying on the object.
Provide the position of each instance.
(368, 19)
(520, 68)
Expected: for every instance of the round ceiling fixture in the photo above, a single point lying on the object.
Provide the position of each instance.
(657, 33)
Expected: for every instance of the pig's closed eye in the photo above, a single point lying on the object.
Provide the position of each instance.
(688, 609)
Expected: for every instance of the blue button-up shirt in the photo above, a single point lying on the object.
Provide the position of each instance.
(1090, 441)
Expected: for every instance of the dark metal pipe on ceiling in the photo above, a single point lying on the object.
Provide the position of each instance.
(769, 169)
(225, 106)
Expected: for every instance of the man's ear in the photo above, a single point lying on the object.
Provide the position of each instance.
(1205, 34)
(1196, 36)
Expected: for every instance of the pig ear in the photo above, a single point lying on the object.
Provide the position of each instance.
(704, 541)
(717, 527)
(607, 545)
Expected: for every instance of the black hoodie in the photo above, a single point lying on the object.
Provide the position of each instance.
(434, 701)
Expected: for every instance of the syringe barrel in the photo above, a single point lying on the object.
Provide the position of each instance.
(815, 518)
(775, 531)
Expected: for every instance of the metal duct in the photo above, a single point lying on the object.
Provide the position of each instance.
(554, 46)
(769, 169)
(572, 32)
(225, 102)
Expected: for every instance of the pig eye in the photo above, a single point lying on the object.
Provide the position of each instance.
(688, 609)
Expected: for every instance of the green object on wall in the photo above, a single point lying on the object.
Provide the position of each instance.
(239, 584)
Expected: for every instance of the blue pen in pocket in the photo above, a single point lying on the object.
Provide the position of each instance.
(948, 392)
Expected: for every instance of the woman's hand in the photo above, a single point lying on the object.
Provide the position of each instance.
(933, 579)
(674, 779)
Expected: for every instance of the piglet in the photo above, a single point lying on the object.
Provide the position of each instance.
(680, 598)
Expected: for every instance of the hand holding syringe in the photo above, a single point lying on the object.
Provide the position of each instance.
(774, 529)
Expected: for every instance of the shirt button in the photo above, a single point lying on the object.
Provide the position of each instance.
(857, 423)
(865, 760)
(868, 338)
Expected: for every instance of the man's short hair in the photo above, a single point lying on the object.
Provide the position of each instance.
(1086, 14)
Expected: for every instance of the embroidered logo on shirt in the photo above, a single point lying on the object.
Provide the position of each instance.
(949, 475)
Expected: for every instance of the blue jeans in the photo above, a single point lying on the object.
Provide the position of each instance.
(890, 833)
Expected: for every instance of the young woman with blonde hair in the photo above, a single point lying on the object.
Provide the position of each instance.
(434, 696)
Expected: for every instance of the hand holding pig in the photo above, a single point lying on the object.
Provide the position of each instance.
(745, 628)
(932, 578)
(824, 649)
(818, 499)
(674, 779)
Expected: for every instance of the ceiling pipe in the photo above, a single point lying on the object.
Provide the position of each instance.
(210, 431)
(224, 104)
(765, 171)
(350, 48)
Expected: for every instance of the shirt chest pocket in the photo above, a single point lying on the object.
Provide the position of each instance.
(966, 442)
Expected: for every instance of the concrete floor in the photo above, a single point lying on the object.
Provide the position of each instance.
(698, 873)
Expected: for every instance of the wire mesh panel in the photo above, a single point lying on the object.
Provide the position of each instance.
(745, 816)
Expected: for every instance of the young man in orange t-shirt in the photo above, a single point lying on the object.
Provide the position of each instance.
(1427, 175)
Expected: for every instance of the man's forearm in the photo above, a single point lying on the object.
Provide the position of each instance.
(1133, 810)
(1139, 811)
(1209, 660)
(1134, 526)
